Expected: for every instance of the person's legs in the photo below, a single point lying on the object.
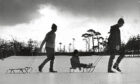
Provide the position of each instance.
(51, 56)
(110, 62)
(83, 65)
(43, 63)
(51, 65)
(121, 56)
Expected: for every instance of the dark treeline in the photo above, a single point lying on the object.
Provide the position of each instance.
(81, 53)
(14, 47)
(31, 48)
(133, 45)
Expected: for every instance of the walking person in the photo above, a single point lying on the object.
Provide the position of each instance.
(114, 43)
(49, 42)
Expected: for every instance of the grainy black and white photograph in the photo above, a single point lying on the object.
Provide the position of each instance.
(69, 41)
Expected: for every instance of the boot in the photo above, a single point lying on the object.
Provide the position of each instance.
(51, 70)
(116, 67)
(40, 69)
(111, 71)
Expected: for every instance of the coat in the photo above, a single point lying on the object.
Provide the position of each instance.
(114, 37)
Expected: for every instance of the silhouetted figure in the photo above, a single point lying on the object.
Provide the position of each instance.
(114, 43)
(75, 62)
(49, 40)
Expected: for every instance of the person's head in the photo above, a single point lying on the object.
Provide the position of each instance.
(54, 27)
(120, 22)
(75, 52)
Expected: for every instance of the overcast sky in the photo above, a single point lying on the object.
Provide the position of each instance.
(24, 18)
(14, 12)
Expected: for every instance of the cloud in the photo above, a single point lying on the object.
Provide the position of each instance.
(14, 12)
(96, 8)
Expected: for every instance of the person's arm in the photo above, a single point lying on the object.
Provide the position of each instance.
(110, 37)
(43, 42)
(118, 40)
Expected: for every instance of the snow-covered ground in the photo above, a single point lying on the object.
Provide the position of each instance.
(130, 71)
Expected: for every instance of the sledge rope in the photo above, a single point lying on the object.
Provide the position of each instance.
(97, 61)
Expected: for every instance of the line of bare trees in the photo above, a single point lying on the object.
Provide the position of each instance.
(93, 39)
(14, 47)
(133, 45)
(90, 37)
(71, 47)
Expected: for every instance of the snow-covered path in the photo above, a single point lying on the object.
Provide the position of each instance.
(129, 66)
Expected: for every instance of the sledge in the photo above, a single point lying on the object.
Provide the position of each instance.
(24, 70)
(87, 69)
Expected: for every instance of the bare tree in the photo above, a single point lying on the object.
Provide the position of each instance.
(73, 43)
(97, 36)
(101, 40)
(86, 44)
(70, 47)
(87, 36)
(92, 32)
(60, 46)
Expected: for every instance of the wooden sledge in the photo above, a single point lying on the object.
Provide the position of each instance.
(24, 70)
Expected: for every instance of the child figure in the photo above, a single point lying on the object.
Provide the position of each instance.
(75, 62)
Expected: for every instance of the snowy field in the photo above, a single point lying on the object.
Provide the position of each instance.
(130, 71)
